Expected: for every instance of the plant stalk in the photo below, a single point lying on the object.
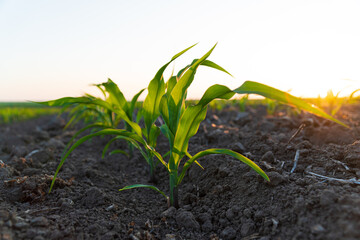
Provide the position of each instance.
(174, 191)
(153, 178)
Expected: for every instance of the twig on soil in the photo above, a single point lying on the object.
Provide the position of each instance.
(296, 159)
(205, 130)
(351, 181)
(282, 164)
(252, 236)
(341, 163)
(41, 210)
(302, 126)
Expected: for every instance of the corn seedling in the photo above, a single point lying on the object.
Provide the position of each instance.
(352, 95)
(334, 102)
(100, 113)
(144, 139)
(181, 122)
(242, 102)
(271, 106)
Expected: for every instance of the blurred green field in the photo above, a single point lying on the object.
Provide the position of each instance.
(19, 111)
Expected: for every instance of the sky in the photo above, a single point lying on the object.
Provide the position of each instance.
(53, 49)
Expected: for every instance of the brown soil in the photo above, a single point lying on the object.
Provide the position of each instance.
(227, 200)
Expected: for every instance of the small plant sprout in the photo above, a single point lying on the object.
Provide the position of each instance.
(352, 95)
(100, 113)
(242, 102)
(178, 121)
(334, 102)
(181, 122)
(116, 106)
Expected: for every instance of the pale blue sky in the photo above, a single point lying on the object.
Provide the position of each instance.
(53, 49)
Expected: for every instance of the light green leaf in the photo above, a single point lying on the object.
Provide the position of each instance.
(110, 142)
(66, 101)
(188, 127)
(144, 186)
(95, 125)
(215, 66)
(273, 93)
(177, 96)
(215, 91)
(156, 90)
(116, 96)
(120, 132)
(118, 151)
(193, 116)
(134, 101)
(221, 151)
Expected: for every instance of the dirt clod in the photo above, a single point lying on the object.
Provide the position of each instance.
(187, 220)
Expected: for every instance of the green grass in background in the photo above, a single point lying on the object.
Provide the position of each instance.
(19, 111)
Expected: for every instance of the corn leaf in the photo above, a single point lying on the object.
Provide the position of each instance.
(353, 93)
(99, 86)
(177, 96)
(106, 147)
(66, 101)
(207, 63)
(156, 90)
(166, 131)
(134, 101)
(116, 96)
(117, 151)
(118, 132)
(95, 125)
(144, 186)
(215, 91)
(211, 64)
(170, 84)
(222, 151)
(273, 93)
(188, 127)
(154, 134)
(193, 116)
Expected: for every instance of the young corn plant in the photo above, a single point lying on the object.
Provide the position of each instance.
(334, 102)
(352, 95)
(100, 113)
(144, 139)
(242, 102)
(181, 122)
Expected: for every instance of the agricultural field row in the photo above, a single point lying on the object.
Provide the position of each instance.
(19, 111)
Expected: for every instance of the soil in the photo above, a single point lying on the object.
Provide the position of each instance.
(226, 200)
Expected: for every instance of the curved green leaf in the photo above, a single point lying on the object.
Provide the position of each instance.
(273, 93)
(177, 96)
(211, 64)
(144, 186)
(109, 143)
(221, 151)
(193, 116)
(156, 90)
(66, 101)
(353, 93)
(117, 151)
(115, 95)
(121, 132)
(188, 127)
(134, 101)
(95, 125)
(215, 91)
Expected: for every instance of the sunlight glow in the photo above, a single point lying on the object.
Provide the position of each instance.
(56, 49)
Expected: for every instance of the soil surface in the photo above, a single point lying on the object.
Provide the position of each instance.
(226, 200)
